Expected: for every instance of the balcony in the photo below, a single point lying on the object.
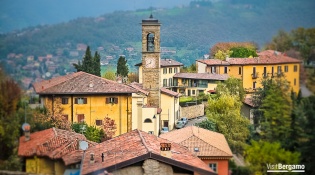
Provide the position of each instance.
(255, 75)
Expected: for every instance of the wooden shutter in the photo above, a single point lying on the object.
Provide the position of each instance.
(80, 118)
(106, 100)
(84, 100)
(75, 100)
(116, 100)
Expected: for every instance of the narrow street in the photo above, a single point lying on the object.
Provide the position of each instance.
(196, 120)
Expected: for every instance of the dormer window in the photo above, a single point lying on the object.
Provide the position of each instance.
(150, 42)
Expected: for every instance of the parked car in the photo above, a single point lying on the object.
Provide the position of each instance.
(179, 124)
(184, 119)
(164, 130)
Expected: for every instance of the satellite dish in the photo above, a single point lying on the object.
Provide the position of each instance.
(83, 145)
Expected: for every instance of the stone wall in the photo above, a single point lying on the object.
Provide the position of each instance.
(192, 111)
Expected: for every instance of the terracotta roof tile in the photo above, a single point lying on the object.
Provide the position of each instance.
(81, 83)
(210, 144)
(249, 102)
(202, 76)
(169, 92)
(136, 146)
(139, 87)
(170, 63)
(213, 62)
(53, 143)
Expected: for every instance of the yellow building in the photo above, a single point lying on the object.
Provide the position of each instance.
(268, 64)
(88, 98)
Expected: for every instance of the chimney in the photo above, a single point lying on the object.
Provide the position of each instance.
(27, 131)
(92, 160)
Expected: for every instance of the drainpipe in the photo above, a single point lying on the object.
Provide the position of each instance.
(127, 114)
(71, 108)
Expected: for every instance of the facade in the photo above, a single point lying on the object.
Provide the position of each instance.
(140, 153)
(192, 84)
(89, 98)
(50, 151)
(211, 147)
(268, 64)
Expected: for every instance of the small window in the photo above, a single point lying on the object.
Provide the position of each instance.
(240, 70)
(213, 166)
(286, 68)
(170, 70)
(213, 69)
(254, 85)
(225, 69)
(80, 100)
(147, 120)
(64, 100)
(279, 69)
(164, 70)
(164, 82)
(150, 132)
(99, 122)
(295, 69)
(80, 118)
(170, 82)
(175, 70)
(294, 81)
(112, 100)
(193, 92)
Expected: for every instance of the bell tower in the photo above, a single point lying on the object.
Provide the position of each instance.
(151, 51)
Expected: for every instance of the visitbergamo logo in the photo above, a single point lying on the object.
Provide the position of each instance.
(284, 168)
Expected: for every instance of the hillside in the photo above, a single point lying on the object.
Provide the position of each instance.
(189, 31)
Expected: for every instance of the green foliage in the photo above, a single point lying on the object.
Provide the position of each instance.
(207, 124)
(122, 67)
(260, 153)
(238, 170)
(273, 112)
(10, 94)
(281, 42)
(233, 86)
(110, 75)
(222, 55)
(242, 52)
(91, 133)
(90, 64)
(190, 69)
(224, 111)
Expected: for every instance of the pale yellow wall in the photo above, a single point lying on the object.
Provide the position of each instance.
(170, 109)
(40, 166)
(201, 67)
(97, 109)
(140, 74)
(138, 100)
(168, 75)
(148, 113)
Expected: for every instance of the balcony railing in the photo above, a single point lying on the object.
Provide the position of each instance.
(255, 75)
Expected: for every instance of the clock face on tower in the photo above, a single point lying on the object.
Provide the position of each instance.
(150, 63)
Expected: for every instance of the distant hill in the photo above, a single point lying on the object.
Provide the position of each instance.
(189, 30)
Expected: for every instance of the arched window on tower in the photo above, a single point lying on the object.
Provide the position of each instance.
(150, 42)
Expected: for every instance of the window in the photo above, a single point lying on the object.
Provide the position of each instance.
(240, 70)
(279, 70)
(254, 85)
(265, 72)
(99, 122)
(112, 100)
(225, 69)
(164, 82)
(175, 70)
(80, 100)
(295, 69)
(170, 70)
(150, 42)
(272, 71)
(294, 81)
(150, 132)
(80, 118)
(193, 92)
(213, 69)
(65, 117)
(170, 82)
(286, 68)
(147, 120)
(64, 100)
(164, 70)
(213, 166)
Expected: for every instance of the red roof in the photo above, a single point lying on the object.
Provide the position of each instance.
(169, 92)
(53, 143)
(136, 146)
(81, 83)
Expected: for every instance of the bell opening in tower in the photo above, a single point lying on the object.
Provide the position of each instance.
(150, 42)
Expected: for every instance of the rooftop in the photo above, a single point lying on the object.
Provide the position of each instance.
(80, 83)
(202, 76)
(136, 146)
(209, 143)
(166, 62)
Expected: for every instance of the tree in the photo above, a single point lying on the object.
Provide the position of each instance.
(225, 112)
(90, 64)
(273, 110)
(10, 95)
(262, 153)
(233, 86)
(207, 124)
(281, 42)
(243, 52)
(122, 67)
(191, 69)
(91, 133)
(222, 55)
(109, 127)
(110, 75)
(227, 46)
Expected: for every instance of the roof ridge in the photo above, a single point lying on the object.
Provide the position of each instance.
(143, 141)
